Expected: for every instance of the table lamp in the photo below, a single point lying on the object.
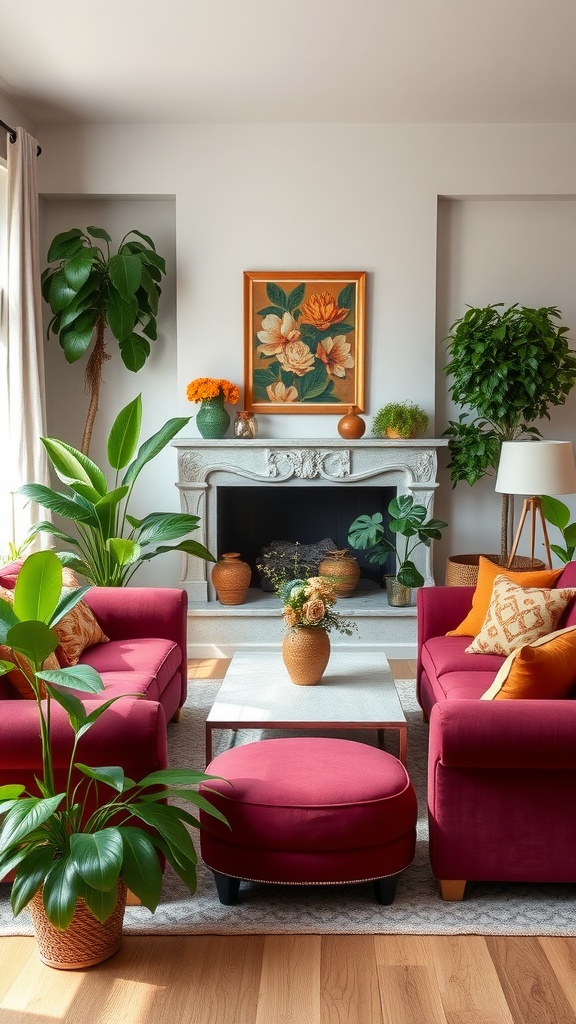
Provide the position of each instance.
(534, 468)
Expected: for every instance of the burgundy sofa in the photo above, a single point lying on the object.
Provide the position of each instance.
(146, 654)
(501, 774)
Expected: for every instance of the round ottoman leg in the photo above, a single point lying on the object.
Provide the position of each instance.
(227, 888)
(385, 889)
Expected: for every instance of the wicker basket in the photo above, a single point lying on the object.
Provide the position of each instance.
(85, 942)
(462, 570)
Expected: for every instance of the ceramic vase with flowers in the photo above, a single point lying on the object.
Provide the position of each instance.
(308, 613)
(212, 418)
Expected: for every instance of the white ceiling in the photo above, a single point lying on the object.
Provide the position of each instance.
(290, 61)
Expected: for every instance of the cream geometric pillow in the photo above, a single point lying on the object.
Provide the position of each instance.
(518, 616)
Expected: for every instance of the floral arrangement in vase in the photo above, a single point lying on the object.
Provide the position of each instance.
(212, 418)
(308, 603)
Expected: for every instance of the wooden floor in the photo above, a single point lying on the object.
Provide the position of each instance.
(292, 979)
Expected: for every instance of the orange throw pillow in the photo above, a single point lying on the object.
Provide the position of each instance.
(544, 670)
(16, 676)
(78, 630)
(487, 573)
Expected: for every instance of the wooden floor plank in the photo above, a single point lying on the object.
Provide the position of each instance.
(468, 982)
(530, 986)
(408, 995)
(349, 980)
(561, 955)
(290, 982)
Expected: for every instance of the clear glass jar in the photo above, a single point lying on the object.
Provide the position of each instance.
(245, 424)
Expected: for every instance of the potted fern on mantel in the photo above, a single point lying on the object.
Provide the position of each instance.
(508, 368)
(76, 846)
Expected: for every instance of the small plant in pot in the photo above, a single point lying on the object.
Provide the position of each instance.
(400, 419)
(87, 834)
(408, 521)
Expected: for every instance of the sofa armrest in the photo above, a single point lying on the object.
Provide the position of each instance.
(441, 609)
(503, 734)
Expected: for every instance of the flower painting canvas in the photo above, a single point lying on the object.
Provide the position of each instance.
(304, 341)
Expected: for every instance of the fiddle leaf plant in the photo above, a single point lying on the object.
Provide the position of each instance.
(91, 288)
(78, 838)
(109, 544)
(407, 520)
(558, 514)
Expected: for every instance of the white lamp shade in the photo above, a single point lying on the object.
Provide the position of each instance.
(536, 467)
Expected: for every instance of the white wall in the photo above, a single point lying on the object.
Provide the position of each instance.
(351, 197)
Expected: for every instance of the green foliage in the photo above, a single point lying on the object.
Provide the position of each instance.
(90, 283)
(49, 838)
(558, 514)
(109, 545)
(406, 418)
(508, 367)
(408, 520)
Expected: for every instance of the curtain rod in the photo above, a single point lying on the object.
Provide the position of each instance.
(13, 135)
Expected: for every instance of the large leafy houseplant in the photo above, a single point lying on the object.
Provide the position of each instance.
(92, 288)
(110, 544)
(508, 368)
(77, 840)
(408, 521)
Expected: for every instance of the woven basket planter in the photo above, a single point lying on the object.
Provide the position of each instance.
(85, 942)
(462, 570)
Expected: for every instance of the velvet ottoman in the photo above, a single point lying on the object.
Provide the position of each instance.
(309, 811)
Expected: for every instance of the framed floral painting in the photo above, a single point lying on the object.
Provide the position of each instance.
(304, 338)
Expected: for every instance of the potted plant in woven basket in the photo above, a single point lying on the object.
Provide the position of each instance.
(76, 848)
(508, 368)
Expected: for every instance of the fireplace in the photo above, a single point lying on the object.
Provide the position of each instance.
(355, 476)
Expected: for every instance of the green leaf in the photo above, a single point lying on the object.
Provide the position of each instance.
(366, 531)
(99, 233)
(35, 640)
(121, 315)
(140, 868)
(153, 446)
(74, 677)
(65, 245)
(11, 791)
(134, 351)
(125, 274)
(274, 310)
(346, 299)
(176, 777)
(69, 599)
(295, 297)
(8, 618)
(77, 270)
(97, 857)
(165, 820)
(73, 707)
(61, 891)
(100, 903)
(191, 547)
(76, 338)
(163, 526)
(112, 776)
(61, 292)
(146, 238)
(409, 576)
(38, 586)
(313, 384)
(124, 552)
(25, 817)
(125, 433)
(30, 876)
(277, 295)
(73, 466)
(58, 503)
(555, 511)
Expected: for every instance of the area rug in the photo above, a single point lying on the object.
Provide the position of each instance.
(488, 909)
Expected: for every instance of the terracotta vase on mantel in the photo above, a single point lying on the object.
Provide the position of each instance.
(231, 578)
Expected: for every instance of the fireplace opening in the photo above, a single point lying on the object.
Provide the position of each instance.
(250, 518)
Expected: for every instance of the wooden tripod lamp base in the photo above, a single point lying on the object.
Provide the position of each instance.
(534, 507)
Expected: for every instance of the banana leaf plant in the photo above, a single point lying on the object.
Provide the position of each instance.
(408, 520)
(558, 514)
(76, 841)
(109, 544)
(92, 288)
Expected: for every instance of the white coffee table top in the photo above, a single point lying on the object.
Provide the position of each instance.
(357, 689)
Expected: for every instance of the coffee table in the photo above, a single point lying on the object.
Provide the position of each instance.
(356, 692)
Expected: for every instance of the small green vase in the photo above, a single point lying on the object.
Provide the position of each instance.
(212, 418)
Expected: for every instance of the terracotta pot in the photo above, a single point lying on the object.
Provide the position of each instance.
(85, 942)
(306, 652)
(342, 570)
(390, 432)
(231, 578)
(351, 426)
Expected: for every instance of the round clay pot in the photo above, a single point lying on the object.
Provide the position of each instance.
(351, 426)
(342, 571)
(231, 578)
(306, 652)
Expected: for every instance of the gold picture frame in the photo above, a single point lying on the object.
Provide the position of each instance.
(304, 341)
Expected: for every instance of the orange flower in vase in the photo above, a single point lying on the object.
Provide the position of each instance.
(212, 418)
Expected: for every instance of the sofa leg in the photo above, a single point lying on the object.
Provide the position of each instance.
(385, 889)
(425, 717)
(452, 889)
(177, 716)
(227, 888)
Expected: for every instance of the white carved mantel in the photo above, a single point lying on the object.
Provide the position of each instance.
(204, 465)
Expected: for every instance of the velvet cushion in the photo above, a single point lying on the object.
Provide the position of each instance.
(78, 630)
(517, 616)
(543, 670)
(487, 573)
(143, 665)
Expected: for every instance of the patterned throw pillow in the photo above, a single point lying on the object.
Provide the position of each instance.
(78, 630)
(544, 670)
(16, 676)
(487, 573)
(518, 616)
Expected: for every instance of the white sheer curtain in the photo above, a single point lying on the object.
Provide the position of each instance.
(24, 453)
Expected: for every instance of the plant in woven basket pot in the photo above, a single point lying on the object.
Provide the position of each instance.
(408, 521)
(508, 368)
(308, 613)
(109, 544)
(75, 848)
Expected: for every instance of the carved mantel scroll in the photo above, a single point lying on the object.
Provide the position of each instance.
(204, 465)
